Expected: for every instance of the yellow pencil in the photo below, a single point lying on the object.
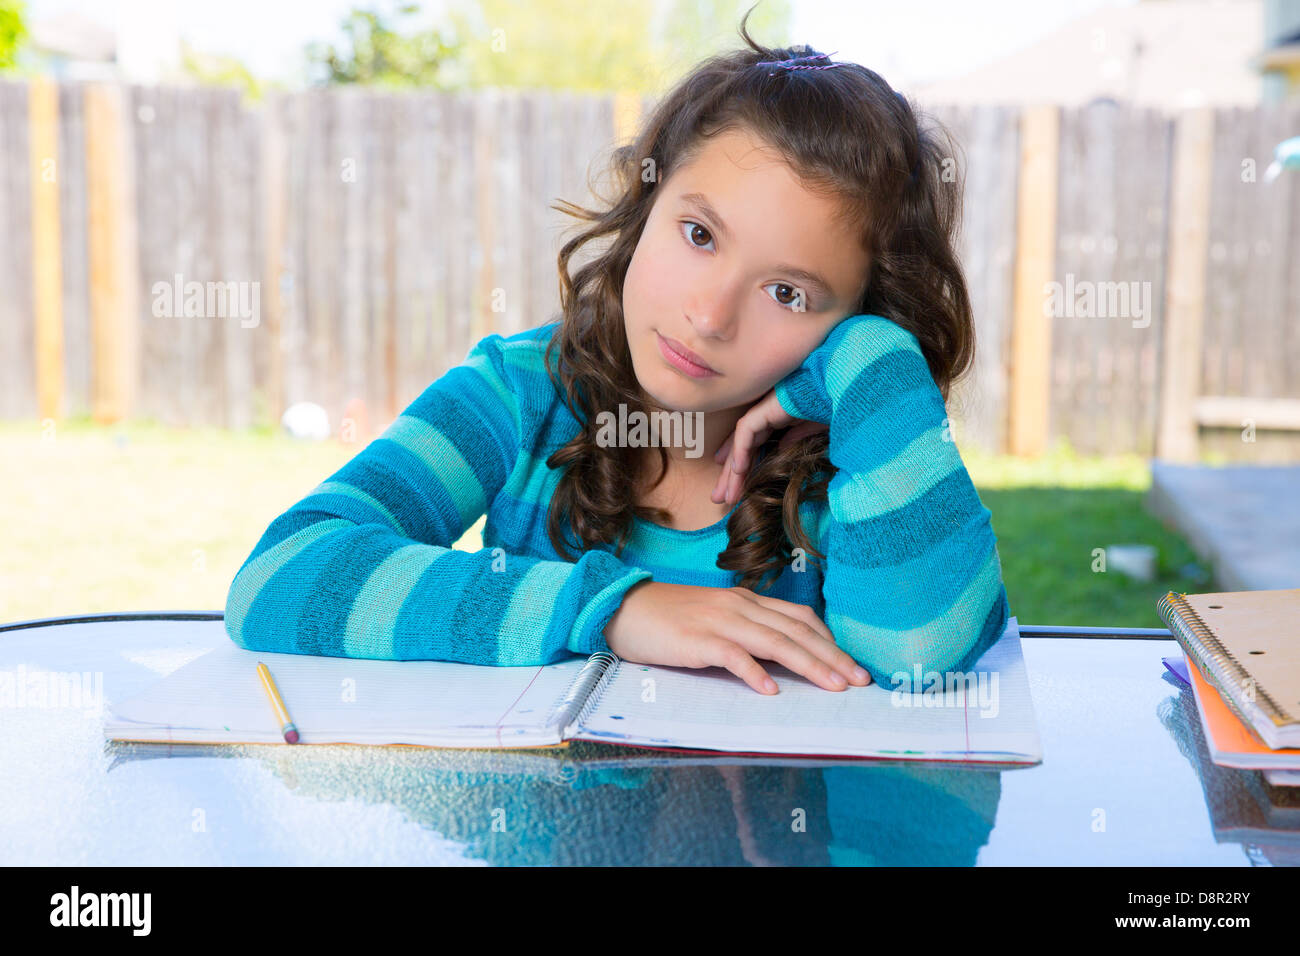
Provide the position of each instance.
(277, 704)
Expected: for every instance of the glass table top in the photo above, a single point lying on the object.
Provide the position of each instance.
(1125, 780)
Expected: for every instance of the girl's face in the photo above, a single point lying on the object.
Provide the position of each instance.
(733, 248)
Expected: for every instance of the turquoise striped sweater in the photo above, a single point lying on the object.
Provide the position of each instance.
(363, 566)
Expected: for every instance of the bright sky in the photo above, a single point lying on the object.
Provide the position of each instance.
(907, 42)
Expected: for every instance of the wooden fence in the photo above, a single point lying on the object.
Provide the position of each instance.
(357, 243)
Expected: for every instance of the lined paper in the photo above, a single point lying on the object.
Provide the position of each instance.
(218, 698)
(713, 709)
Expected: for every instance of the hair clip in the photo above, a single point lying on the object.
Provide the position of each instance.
(800, 63)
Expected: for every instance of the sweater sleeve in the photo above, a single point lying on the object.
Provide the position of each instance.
(912, 575)
(363, 565)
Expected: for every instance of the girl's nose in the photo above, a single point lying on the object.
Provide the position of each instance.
(712, 315)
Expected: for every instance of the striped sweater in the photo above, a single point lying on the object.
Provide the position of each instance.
(363, 566)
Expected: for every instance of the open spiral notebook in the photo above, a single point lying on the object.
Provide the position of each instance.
(217, 699)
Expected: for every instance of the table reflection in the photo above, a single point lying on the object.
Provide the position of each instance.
(1243, 807)
(568, 806)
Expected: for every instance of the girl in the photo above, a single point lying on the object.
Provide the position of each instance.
(780, 269)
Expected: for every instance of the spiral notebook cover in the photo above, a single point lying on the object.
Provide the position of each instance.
(1248, 644)
(1230, 742)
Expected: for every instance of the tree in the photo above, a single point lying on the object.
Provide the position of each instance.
(13, 32)
(694, 29)
(635, 45)
(215, 69)
(382, 51)
(638, 45)
(559, 44)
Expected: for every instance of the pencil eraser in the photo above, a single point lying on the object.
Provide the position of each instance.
(291, 736)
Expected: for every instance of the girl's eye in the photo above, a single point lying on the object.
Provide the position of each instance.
(790, 296)
(691, 228)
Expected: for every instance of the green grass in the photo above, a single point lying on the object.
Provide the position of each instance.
(148, 517)
(1051, 514)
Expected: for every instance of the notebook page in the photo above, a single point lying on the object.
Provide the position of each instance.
(346, 700)
(713, 709)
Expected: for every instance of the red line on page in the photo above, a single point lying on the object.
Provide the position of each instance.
(512, 704)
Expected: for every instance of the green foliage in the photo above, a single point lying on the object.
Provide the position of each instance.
(1051, 514)
(382, 51)
(644, 46)
(638, 45)
(219, 70)
(558, 44)
(694, 29)
(13, 32)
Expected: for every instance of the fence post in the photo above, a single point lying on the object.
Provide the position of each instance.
(47, 253)
(1189, 218)
(1031, 329)
(114, 316)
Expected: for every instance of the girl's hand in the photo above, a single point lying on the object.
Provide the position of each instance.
(752, 429)
(685, 625)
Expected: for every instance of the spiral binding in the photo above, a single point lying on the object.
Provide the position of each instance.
(1181, 618)
(586, 687)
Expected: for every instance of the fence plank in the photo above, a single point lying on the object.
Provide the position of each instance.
(1035, 233)
(235, 183)
(380, 193)
(356, 145)
(295, 282)
(459, 233)
(72, 228)
(273, 231)
(1188, 232)
(17, 327)
(209, 331)
(413, 162)
(47, 255)
(987, 138)
(110, 195)
(152, 110)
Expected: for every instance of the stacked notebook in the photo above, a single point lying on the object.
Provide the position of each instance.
(218, 699)
(1243, 653)
(1264, 820)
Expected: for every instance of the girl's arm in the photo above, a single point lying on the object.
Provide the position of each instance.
(363, 566)
(912, 571)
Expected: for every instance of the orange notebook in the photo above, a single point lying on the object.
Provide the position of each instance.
(1230, 743)
(1246, 644)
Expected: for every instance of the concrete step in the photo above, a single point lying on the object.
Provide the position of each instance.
(1244, 520)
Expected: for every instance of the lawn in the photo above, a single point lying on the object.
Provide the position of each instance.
(1052, 514)
(146, 517)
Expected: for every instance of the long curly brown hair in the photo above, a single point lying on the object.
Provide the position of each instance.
(843, 131)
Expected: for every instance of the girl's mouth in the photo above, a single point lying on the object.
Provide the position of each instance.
(683, 359)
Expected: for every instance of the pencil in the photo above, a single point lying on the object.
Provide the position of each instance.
(277, 704)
